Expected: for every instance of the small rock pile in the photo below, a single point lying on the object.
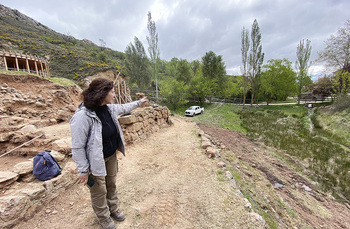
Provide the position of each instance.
(210, 146)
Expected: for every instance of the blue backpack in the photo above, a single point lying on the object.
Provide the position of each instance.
(45, 166)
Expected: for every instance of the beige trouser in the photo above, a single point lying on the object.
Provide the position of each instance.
(103, 194)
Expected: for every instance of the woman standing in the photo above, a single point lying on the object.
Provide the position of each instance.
(96, 136)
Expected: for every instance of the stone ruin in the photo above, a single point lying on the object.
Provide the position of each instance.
(23, 114)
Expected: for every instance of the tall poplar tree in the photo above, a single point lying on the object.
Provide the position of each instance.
(153, 50)
(244, 67)
(302, 65)
(256, 59)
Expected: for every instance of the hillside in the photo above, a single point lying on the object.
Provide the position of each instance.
(68, 57)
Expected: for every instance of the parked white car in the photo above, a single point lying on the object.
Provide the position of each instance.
(194, 110)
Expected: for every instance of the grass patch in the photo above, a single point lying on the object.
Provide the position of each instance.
(289, 129)
(18, 72)
(62, 81)
(223, 115)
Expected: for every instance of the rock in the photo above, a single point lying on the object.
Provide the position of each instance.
(239, 193)
(7, 178)
(221, 164)
(228, 175)
(306, 188)
(62, 145)
(28, 129)
(211, 151)
(27, 178)
(57, 155)
(48, 185)
(127, 119)
(4, 137)
(71, 108)
(278, 185)
(63, 115)
(258, 220)
(39, 104)
(71, 167)
(247, 205)
(23, 167)
(34, 192)
(206, 144)
(13, 208)
(233, 182)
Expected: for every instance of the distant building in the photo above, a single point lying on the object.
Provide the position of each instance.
(14, 61)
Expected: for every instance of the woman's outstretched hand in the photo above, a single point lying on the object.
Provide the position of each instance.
(144, 100)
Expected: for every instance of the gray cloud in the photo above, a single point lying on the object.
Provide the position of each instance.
(189, 29)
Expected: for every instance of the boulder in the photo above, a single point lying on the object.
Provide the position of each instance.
(211, 152)
(206, 144)
(127, 119)
(4, 137)
(28, 129)
(62, 145)
(63, 115)
(7, 178)
(57, 155)
(23, 167)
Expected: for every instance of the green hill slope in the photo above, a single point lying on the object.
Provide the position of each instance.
(68, 57)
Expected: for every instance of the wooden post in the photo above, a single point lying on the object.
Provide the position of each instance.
(42, 72)
(36, 66)
(5, 63)
(27, 65)
(16, 61)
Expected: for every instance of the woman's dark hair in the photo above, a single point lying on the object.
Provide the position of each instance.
(97, 91)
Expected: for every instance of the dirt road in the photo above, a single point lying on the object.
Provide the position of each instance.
(164, 182)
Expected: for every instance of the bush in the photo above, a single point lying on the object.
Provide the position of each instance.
(341, 103)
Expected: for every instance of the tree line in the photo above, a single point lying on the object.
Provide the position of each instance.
(179, 80)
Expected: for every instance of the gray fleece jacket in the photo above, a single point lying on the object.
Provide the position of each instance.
(86, 132)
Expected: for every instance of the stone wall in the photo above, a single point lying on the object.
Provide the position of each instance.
(144, 121)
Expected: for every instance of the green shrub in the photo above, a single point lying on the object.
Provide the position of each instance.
(342, 103)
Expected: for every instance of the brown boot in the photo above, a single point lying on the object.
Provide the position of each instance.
(118, 215)
(108, 223)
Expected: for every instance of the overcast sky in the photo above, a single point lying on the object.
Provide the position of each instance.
(187, 29)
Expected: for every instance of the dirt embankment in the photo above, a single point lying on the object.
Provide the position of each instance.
(295, 199)
(29, 103)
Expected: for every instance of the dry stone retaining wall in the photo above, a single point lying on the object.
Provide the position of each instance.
(144, 121)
